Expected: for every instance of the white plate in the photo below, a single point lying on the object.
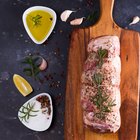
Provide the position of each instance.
(34, 8)
(41, 122)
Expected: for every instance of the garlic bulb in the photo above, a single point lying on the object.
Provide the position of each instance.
(136, 19)
(77, 21)
(65, 15)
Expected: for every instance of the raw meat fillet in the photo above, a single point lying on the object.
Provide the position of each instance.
(100, 91)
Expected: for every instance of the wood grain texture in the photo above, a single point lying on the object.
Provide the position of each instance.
(130, 42)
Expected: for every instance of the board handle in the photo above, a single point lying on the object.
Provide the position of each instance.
(106, 7)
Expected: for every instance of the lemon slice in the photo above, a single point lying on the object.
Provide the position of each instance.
(22, 85)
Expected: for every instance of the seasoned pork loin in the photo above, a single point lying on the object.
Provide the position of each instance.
(100, 91)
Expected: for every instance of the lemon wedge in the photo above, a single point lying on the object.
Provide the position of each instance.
(22, 85)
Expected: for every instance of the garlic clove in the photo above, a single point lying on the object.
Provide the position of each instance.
(65, 15)
(136, 19)
(77, 21)
(43, 65)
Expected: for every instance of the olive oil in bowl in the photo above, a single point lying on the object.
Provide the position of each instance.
(39, 22)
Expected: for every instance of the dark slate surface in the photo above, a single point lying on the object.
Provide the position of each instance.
(15, 45)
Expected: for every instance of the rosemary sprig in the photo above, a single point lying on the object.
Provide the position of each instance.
(101, 54)
(31, 68)
(36, 20)
(27, 111)
(102, 101)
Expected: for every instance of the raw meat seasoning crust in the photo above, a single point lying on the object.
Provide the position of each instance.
(100, 91)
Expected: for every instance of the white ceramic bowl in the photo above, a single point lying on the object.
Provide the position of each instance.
(42, 121)
(34, 8)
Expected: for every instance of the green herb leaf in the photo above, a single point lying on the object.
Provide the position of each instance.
(36, 72)
(111, 103)
(32, 67)
(26, 61)
(28, 71)
(27, 110)
(32, 115)
(101, 54)
(98, 78)
(34, 110)
(36, 20)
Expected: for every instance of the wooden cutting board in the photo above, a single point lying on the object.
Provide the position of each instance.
(130, 42)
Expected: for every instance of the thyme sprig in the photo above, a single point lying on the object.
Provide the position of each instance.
(27, 111)
(101, 54)
(31, 69)
(36, 20)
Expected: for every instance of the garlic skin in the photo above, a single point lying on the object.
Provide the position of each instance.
(77, 21)
(136, 19)
(65, 15)
(43, 65)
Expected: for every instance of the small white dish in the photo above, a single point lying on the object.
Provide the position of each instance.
(40, 121)
(42, 8)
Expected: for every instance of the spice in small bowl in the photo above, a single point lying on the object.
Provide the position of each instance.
(31, 113)
(45, 104)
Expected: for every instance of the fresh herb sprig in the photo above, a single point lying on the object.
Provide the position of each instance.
(36, 20)
(103, 103)
(27, 112)
(101, 54)
(31, 68)
(101, 99)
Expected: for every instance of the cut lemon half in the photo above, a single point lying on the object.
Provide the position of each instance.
(22, 85)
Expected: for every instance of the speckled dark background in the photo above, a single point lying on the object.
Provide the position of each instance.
(15, 45)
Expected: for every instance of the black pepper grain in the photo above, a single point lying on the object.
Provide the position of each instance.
(51, 19)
